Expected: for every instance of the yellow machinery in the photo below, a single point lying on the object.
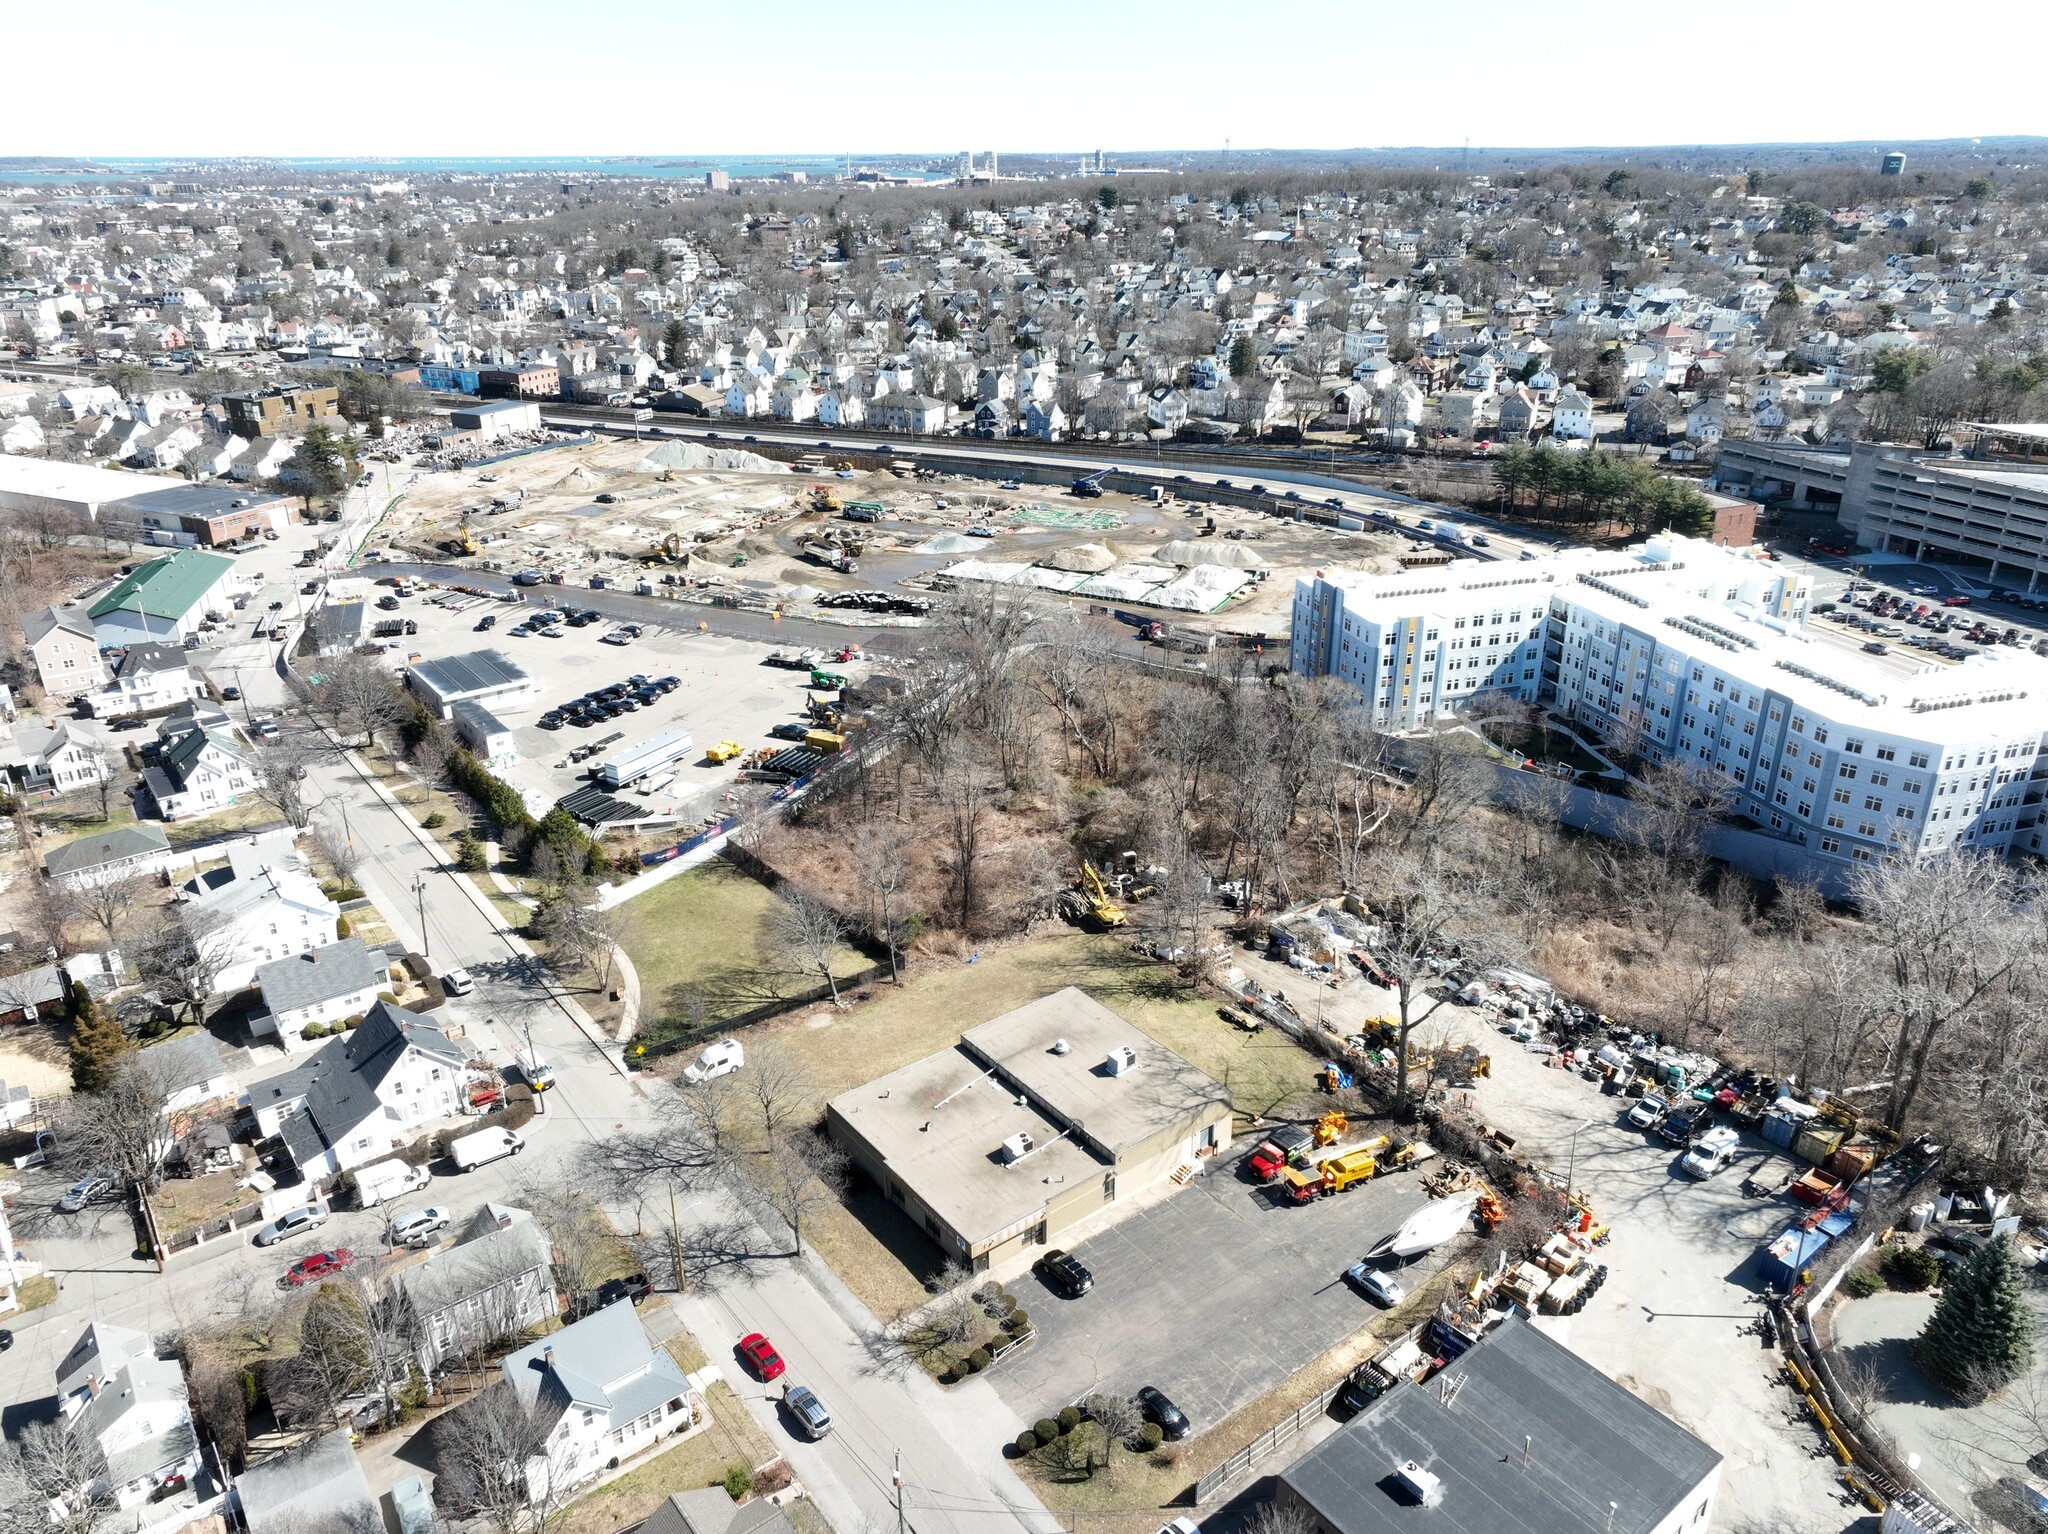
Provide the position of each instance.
(1331, 1128)
(724, 751)
(824, 498)
(1101, 908)
(670, 549)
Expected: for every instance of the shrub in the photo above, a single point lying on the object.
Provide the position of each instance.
(434, 821)
(1911, 1268)
(1046, 1430)
(1863, 1283)
(350, 1024)
(1069, 1418)
(469, 853)
(977, 1360)
(1026, 1442)
(1017, 1321)
(739, 1480)
(1150, 1437)
(313, 1031)
(341, 928)
(950, 1375)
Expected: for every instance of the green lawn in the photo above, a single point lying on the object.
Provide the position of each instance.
(697, 940)
(249, 815)
(76, 815)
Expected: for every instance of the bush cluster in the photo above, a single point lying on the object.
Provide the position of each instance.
(1911, 1268)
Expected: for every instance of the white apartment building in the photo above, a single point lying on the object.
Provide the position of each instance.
(1702, 653)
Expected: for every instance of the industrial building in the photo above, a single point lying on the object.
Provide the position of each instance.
(502, 419)
(201, 516)
(1519, 1434)
(1037, 1119)
(79, 488)
(488, 737)
(165, 599)
(481, 676)
(1987, 513)
(1687, 652)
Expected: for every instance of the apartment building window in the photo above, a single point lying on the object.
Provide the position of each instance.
(1779, 797)
(1849, 770)
(1835, 822)
(1887, 754)
(1830, 844)
(1813, 758)
(1880, 779)
(1911, 785)
(1872, 802)
(1866, 828)
(1917, 759)
(1805, 810)
(1905, 812)
(1855, 746)
(1799, 723)
(1860, 854)
(1841, 796)
(1777, 822)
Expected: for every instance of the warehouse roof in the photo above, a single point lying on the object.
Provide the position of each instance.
(1519, 1434)
(165, 588)
(74, 481)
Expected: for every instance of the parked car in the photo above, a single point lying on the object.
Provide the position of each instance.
(1153, 1402)
(761, 1356)
(83, 1192)
(320, 1265)
(293, 1222)
(1064, 1273)
(418, 1227)
(717, 1060)
(1713, 1152)
(487, 621)
(634, 1286)
(1686, 1123)
(812, 1420)
(790, 731)
(1380, 1288)
(458, 982)
(1646, 1113)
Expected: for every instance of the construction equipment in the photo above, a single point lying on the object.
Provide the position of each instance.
(830, 681)
(1334, 1175)
(670, 549)
(824, 741)
(863, 511)
(1088, 486)
(824, 498)
(724, 751)
(1332, 1127)
(1100, 907)
(1333, 1078)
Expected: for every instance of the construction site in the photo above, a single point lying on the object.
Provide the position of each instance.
(711, 522)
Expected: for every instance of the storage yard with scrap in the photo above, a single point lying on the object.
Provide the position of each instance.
(833, 534)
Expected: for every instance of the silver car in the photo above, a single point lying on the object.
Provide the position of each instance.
(419, 1227)
(293, 1222)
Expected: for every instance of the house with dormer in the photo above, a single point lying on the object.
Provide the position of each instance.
(198, 771)
(603, 1391)
(363, 1093)
(264, 905)
(113, 1391)
(66, 651)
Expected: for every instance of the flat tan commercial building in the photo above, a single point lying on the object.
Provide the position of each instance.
(1034, 1120)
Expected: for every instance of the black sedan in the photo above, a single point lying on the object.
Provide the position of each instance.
(1173, 1422)
(1065, 1274)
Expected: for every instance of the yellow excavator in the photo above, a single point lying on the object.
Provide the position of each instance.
(1101, 908)
(824, 498)
(464, 541)
(669, 548)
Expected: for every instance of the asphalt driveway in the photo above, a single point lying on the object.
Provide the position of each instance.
(1215, 1295)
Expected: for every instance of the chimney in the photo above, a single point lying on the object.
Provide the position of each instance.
(92, 1387)
(547, 1355)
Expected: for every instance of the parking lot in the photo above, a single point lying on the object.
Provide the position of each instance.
(724, 690)
(1215, 1295)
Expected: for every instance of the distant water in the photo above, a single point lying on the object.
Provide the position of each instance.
(573, 167)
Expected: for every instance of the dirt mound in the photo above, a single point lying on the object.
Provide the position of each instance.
(1092, 558)
(694, 455)
(1187, 552)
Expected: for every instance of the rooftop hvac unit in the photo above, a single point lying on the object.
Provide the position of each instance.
(1060, 1046)
(1017, 1147)
(1419, 1483)
(1121, 1059)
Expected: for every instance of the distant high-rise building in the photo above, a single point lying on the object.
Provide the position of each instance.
(717, 181)
(1894, 164)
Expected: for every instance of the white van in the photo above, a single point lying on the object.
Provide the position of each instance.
(717, 1060)
(534, 1069)
(485, 1145)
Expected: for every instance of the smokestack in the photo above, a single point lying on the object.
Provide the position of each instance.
(1527, 1439)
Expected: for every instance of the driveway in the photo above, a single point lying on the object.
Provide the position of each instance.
(1216, 1295)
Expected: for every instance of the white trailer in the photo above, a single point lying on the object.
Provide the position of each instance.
(636, 762)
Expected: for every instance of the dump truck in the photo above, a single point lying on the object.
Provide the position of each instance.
(1331, 1175)
(830, 680)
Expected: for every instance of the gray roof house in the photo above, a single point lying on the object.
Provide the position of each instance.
(189, 1072)
(323, 985)
(708, 1510)
(491, 1285)
(362, 1094)
(605, 1391)
(114, 1390)
(112, 854)
(340, 626)
(1535, 1440)
(317, 1489)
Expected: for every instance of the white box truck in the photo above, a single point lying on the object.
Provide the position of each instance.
(485, 1145)
(387, 1179)
(636, 762)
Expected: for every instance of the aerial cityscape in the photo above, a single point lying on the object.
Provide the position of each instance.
(713, 832)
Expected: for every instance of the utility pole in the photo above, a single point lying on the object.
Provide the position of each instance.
(419, 888)
(896, 1480)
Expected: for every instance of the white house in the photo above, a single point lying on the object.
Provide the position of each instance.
(147, 677)
(609, 1392)
(363, 1093)
(59, 758)
(189, 1072)
(842, 407)
(1706, 421)
(495, 1282)
(908, 412)
(265, 906)
(323, 985)
(1573, 416)
(115, 1391)
(197, 772)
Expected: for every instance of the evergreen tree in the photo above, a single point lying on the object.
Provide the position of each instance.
(97, 1042)
(1243, 357)
(1982, 1332)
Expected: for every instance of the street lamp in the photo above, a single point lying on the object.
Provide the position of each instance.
(1572, 1163)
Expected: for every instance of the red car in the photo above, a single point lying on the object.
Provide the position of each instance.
(1957, 600)
(760, 1352)
(319, 1265)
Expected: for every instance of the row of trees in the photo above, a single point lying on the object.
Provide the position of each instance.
(1596, 489)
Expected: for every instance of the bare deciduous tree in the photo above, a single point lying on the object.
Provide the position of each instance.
(809, 931)
(497, 1463)
(51, 1479)
(121, 1128)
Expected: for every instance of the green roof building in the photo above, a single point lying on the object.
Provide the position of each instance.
(163, 600)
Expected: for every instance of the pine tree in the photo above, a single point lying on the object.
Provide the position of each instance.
(1982, 1332)
(97, 1042)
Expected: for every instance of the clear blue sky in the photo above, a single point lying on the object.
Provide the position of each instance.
(767, 77)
